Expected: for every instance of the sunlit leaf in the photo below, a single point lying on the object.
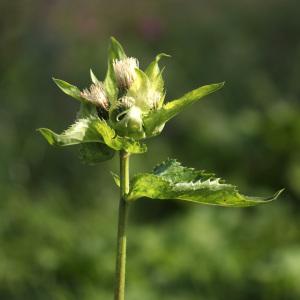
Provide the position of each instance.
(82, 131)
(91, 130)
(155, 74)
(139, 90)
(156, 119)
(170, 180)
(69, 89)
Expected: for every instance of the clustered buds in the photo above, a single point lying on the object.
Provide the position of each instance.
(135, 95)
(125, 71)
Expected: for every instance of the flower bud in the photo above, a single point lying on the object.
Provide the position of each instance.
(126, 118)
(96, 95)
(125, 71)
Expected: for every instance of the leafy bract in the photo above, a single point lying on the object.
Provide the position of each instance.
(170, 180)
(69, 89)
(115, 52)
(82, 131)
(156, 119)
(93, 153)
(93, 77)
(139, 90)
(90, 130)
(155, 74)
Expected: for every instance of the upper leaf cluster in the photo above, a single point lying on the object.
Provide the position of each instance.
(126, 107)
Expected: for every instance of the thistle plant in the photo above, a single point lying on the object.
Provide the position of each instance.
(117, 115)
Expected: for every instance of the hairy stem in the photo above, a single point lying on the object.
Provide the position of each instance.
(123, 215)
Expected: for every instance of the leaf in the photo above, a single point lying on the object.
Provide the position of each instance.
(93, 77)
(82, 131)
(156, 119)
(170, 180)
(69, 89)
(115, 51)
(155, 74)
(93, 153)
(90, 130)
(153, 70)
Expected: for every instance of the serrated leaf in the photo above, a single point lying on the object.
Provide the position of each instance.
(69, 89)
(115, 51)
(82, 131)
(94, 153)
(156, 119)
(91, 130)
(170, 180)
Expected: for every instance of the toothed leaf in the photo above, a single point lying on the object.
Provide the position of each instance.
(82, 131)
(170, 180)
(91, 130)
(156, 119)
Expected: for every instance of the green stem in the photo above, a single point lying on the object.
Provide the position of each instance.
(123, 216)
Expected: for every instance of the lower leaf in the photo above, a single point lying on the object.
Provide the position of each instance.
(170, 180)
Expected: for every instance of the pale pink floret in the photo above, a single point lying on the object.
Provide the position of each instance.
(96, 95)
(125, 71)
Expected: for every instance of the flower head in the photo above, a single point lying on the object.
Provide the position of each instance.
(154, 98)
(125, 71)
(96, 95)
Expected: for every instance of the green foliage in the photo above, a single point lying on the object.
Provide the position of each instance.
(139, 115)
(68, 89)
(82, 131)
(155, 121)
(54, 212)
(170, 180)
(92, 130)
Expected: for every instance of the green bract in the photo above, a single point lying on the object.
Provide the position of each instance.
(126, 107)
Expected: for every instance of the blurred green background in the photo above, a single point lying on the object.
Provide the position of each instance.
(58, 217)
